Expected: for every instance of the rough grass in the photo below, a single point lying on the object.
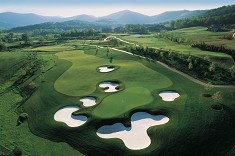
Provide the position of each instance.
(150, 41)
(20, 136)
(200, 34)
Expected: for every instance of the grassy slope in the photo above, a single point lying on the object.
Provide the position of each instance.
(200, 34)
(12, 135)
(194, 128)
(150, 41)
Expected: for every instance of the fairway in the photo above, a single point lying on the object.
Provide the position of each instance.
(82, 78)
(105, 78)
(123, 102)
(76, 76)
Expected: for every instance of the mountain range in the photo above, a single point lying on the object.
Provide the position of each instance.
(10, 20)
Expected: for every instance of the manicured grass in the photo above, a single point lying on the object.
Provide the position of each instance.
(194, 127)
(82, 78)
(56, 48)
(123, 102)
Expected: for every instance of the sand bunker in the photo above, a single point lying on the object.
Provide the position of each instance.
(111, 87)
(106, 69)
(169, 95)
(134, 137)
(65, 115)
(88, 101)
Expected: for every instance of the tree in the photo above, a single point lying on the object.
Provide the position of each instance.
(189, 59)
(232, 70)
(208, 86)
(190, 65)
(41, 40)
(25, 38)
(207, 58)
(17, 151)
(111, 60)
(217, 97)
(2, 46)
(108, 51)
(43, 73)
(22, 117)
(212, 67)
(97, 49)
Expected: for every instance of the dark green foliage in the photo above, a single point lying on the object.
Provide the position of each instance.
(25, 38)
(136, 28)
(17, 151)
(221, 16)
(217, 107)
(207, 95)
(192, 65)
(213, 48)
(82, 34)
(60, 27)
(22, 117)
(3, 46)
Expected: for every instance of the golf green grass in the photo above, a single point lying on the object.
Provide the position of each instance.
(194, 127)
(123, 102)
(82, 78)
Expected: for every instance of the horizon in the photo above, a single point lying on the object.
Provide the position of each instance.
(99, 16)
(71, 8)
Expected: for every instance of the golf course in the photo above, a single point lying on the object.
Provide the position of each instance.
(118, 92)
(56, 112)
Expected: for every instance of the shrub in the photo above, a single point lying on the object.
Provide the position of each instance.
(17, 151)
(22, 117)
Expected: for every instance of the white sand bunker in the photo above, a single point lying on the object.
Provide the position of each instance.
(134, 137)
(65, 115)
(169, 95)
(106, 69)
(109, 86)
(88, 101)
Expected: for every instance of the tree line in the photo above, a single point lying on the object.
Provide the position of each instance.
(221, 16)
(213, 48)
(197, 67)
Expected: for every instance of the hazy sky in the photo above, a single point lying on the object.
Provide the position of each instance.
(67, 8)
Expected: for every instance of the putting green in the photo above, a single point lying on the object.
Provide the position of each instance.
(120, 103)
(82, 78)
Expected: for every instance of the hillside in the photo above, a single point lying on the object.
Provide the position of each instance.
(174, 15)
(128, 17)
(221, 16)
(61, 26)
(10, 20)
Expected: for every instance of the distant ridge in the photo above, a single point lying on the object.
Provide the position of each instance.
(10, 20)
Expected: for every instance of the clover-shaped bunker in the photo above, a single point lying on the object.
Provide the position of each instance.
(109, 86)
(134, 137)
